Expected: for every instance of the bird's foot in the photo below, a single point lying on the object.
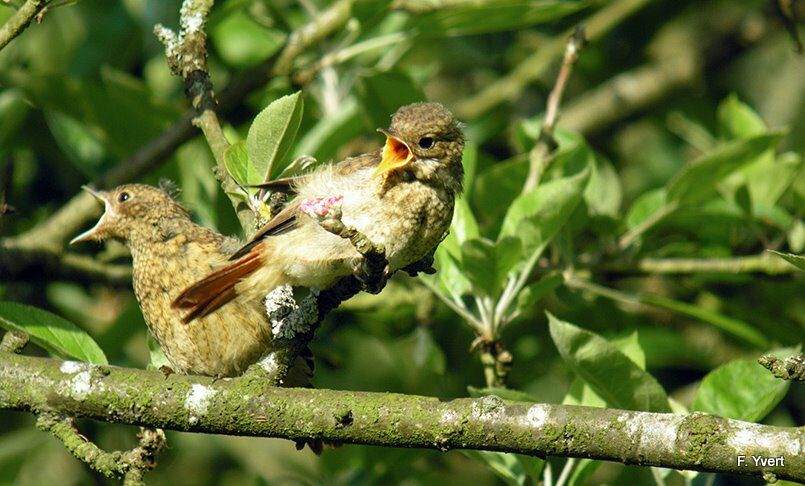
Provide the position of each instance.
(166, 370)
(425, 265)
(371, 279)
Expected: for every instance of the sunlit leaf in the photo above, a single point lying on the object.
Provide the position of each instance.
(486, 264)
(236, 159)
(537, 216)
(53, 333)
(272, 134)
(698, 179)
(738, 120)
(741, 389)
(796, 260)
(609, 372)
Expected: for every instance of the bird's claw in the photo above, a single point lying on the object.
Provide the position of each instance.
(425, 265)
(371, 280)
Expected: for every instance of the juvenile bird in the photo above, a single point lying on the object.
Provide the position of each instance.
(169, 253)
(400, 196)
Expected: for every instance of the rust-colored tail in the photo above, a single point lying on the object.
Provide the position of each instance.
(217, 288)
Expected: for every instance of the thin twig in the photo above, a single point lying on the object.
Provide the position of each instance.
(792, 368)
(129, 465)
(21, 19)
(13, 341)
(540, 154)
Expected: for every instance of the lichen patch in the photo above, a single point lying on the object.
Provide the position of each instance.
(198, 400)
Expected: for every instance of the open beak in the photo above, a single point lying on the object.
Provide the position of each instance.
(91, 234)
(396, 155)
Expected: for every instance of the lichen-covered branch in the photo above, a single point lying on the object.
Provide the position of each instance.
(295, 318)
(18, 22)
(792, 368)
(246, 406)
(187, 57)
(129, 465)
(13, 341)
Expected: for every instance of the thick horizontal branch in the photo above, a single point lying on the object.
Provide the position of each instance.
(246, 406)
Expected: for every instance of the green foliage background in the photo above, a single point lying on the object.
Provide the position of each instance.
(708, 166)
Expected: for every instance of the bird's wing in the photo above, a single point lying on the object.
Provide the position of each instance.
(286, 220)
(367, 160)
(286, 184)
(283, 222)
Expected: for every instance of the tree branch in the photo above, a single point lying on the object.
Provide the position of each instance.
(541, 153)
(792, 368)
(20, 20)
(187, 57)
(245, 406)
(130, 465)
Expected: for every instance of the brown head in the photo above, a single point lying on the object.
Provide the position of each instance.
(133, 213)
(426, 139)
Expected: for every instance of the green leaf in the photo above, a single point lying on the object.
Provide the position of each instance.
(645, 206)
(158, 358)
(236, 160)
(380, 94)
(470, 17)
(53, 333)
(486, 264)
(697, 180)
(730, 325)
(738, 120)
(534, 292)
(13, 113)
(604, 194)
(449, 277)
(272, 134)
(610, 373)
(469, 160)
(505, 466)
(77, 142)
(742, 390)
(796, 260)
(242, 42)
(462, 228)
(497, 187)
(538, 215)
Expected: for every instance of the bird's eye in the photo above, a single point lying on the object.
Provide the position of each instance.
(426, 142)
(123, 197)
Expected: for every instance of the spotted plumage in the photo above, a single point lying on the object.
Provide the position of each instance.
(169, 253)
(401, 197)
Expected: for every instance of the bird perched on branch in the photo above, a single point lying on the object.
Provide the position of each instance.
(169, 253)
(400, 197)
